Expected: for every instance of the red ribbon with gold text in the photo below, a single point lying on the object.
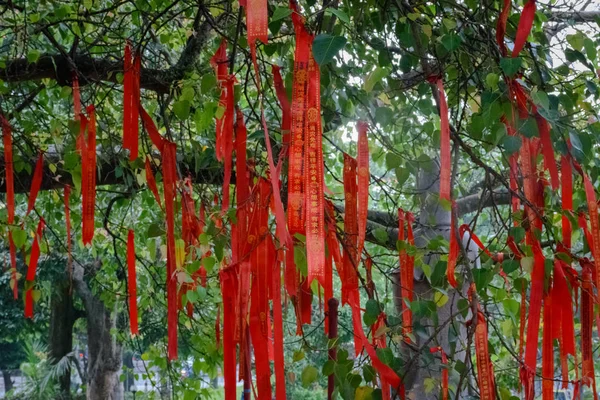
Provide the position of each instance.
(10, 199)
(131, 283)
(362, 158)
(485, 372)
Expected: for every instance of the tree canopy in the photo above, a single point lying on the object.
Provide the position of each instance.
(483, 131)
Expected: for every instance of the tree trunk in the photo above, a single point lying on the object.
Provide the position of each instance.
(104, 351)
(62, 319)
(448, 331)
(8, 383)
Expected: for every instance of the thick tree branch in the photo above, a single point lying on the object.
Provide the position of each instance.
(575, 16)
(91, 70)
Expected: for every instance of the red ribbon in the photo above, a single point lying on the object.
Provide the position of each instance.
(501, 27)
(152, 130)
(131, 283)
(362, 159)
(595, 228)
(485, 371)
(313, 179)
(565, 311)
(10, 199)
(452, 254)
(587, 321)
(566, 198)
(151, 181)
(34, 257)
(525, 24)
(36, 183)
(88, 176)
(350, 278)
(547, 149)
(445, 164)
(228, 286)
(444, 370)
(547, 349)
(279, 362)
(131, 101)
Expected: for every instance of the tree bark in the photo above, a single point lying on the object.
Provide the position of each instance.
(62, 319)
(8, 383)
(433, 221)
(104, 351)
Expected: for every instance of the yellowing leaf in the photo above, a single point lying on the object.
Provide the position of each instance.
(363, 393)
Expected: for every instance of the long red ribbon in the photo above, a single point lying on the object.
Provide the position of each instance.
(152, 130)
(36, 183)
(587, 321)
(228, 285)
(501, 26)
(279, 362)
(485, 371)
(595, 226)
(88, 178)
(445, 163)
(227, 138)
(314, 180)
(444, 370)
(566, 198)
(547, 349)
(349, 278)
(452, 254)
(131, 283)
(547, 149)
(34, 257)
(525, 24)
(364, 175)
(10, 198)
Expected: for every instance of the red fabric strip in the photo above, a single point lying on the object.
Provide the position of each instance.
(445, 164)
(485, 372)
(313, 179)
(350, 278)
(444, 370)
(151, 181)
(548, 350)
(295, 198)
(595, 228)
(364, 176)
(525, 24)
(227, 138)
(382, 369)
(34, 256)
(128, 88)
(452, 254)
(501, 26)
(279, 362)
(169, 167)
(36, 183)
(565, 308)
(533, 319)
(228, 285)
(152, 130)
(10, 198)
(547, 150)
(131, 283)
(587, 321)
(88, 178)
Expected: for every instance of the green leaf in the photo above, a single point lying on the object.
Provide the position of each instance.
(363, 393)
(281, 13)
(384, 115)
(392, 160)
(19, 237)
(342, 16)
(374, 77)
(590, 49)
(509, 266)
(182, 109)
(326, 46)
(33, 56)
(381, 235)
(511, 144)
(510, 65)
(298, 355)
(451, 41)
(309, 375)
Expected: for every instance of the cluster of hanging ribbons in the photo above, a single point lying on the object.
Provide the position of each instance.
(552, 304)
